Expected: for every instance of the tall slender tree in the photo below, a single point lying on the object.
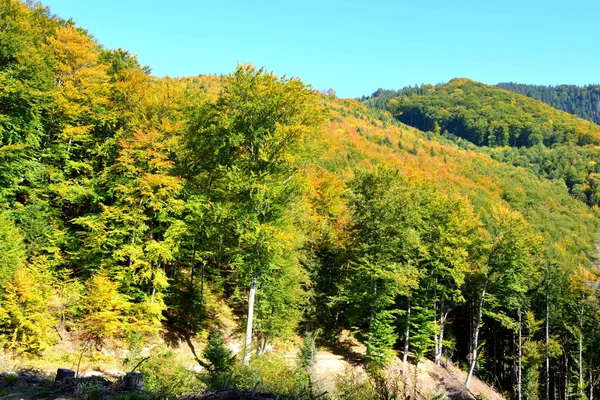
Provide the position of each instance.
(241, 149)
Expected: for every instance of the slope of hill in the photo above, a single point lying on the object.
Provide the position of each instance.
(511, 128)
(133, 207)
(488, 116)
(583, 101)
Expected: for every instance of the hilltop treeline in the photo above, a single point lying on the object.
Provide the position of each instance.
(487, 116)
(583, 101)
(133, 205)
(510, 127)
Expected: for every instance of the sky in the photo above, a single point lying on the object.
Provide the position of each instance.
(355, 47)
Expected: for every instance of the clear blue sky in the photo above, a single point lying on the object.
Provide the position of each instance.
(355, 47)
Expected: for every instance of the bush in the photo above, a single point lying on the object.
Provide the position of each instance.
(353, 385)
(268, 374)
(166, 377)
(378, 384)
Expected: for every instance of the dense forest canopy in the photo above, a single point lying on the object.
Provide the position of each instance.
(509, 127)
(486, 115)
(136, 206)
(583, 101)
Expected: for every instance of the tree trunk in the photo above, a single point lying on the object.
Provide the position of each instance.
(193, 263)
(581, 390)
(407, 336)
(566, 385)
(443, 317)
(547, 340)
(202, 287)
(591, 381)
(476, 336)
(372, 317)
(248, 344)
(435, 322)
(519, 362)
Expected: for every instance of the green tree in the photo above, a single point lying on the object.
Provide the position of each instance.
(241, 148)
(12, 249)
(509, 264)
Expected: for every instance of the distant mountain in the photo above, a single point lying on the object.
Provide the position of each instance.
(485, 115)
(583, 101)
(510, 127)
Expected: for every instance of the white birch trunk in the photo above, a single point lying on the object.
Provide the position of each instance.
(407, 336)
(519, 362)
(547, 342)
(248, 343)
(581, 390)
(440, 351)
(476, 336)
(591, 368)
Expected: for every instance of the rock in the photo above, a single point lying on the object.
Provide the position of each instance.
(134, 381)
(64, 374)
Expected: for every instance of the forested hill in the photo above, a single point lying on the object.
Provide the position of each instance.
(510, 127)
(486, 115)
(134, 208)
(583, 101)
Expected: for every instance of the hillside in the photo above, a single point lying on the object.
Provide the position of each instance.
(487, 115)
(463, 109)
(583, 101)
(140, 216)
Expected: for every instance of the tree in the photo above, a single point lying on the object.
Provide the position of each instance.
(507, 266)
(385, 227)
(12, 249)
(241, 149)
(27, 320)
(105, 311)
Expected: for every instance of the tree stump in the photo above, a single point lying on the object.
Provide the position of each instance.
(133, 381)
(64, 374)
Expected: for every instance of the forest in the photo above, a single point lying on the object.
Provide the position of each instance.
(583, 101)
(142, 212)
(511, 128)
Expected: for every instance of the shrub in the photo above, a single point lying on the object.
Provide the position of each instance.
(353, 385)
(166, 377)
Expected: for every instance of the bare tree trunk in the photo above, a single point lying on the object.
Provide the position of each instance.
(372, 317)
(406, 336)
(443, 317)
(261, 344)
(476, 336)
(248, 344)
(416, 381)
(193, 263)
(435, 321)
(519, 362)
(591, 382)
(202, 286)
(547, 339)
(581, 390)
(566, 385)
